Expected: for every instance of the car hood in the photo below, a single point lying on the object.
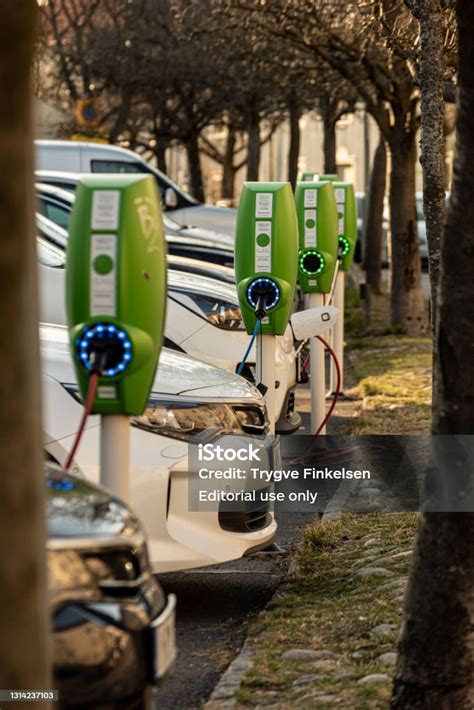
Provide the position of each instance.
(197, 232)
(177, 374)
(217, 219)
(77, 508)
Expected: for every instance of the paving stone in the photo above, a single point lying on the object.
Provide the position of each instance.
(306, 654)
(359, 654)
(343, 676)
(318, 698)
(306, 679)
(327, 664)
(371, 541)
(372, 551)
(383, 630)
(373, 679)
(396, 584)
(368, 571)
(387, 659)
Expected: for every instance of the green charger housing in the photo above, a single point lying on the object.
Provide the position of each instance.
(266, 254)
(318, 235)
(116, 288)
(347, 222)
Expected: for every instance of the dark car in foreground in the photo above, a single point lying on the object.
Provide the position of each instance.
(112, 625)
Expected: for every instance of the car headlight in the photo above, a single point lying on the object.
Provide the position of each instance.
(187, 421)
(252, 419)
(217, 311)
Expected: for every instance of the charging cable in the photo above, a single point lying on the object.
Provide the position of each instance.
(333, 285)
(91, 392)
(247, 352)
(338, 385)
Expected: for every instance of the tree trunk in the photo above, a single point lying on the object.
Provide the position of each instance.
(373, 228)
(24, 657)
(228, 169)
(435, 661)
(329, 143)
(435, 665)
(194, 166)
(160, 154)
(432, 32)
(454, 409)
(294, 149)
(253, 150)
(407, 305)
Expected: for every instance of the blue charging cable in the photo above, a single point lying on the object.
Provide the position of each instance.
(247, 352)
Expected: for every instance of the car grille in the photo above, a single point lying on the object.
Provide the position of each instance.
(252, 517)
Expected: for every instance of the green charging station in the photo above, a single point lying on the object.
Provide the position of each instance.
(309, 176)
(347, 221)
(266, 255)
(116, 289)
(332, 177)
(318, 235)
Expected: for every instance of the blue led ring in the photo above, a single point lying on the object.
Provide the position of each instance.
(105, 332)
(263, 283)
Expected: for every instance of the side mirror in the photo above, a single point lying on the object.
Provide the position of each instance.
(313, 322)
(171, 198)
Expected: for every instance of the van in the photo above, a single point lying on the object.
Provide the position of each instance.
(84, 157)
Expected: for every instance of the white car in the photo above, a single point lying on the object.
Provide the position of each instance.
(82, 157)
(203, 320)
(191, 403)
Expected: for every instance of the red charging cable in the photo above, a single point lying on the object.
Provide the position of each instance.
(338, 382)
(91, 392)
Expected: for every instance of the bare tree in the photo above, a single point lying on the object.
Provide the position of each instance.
(366, 45)
(436, 650)
(373, 228)
(23, 607)
(436, 39)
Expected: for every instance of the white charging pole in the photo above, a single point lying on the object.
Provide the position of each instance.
(338, 333)
(265, 362)
(317, 371)
(115, 454)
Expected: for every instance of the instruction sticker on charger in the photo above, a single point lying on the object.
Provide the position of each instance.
(340, 216)
(264, 204)
(310, 198)
(310, 238)
(102, 275)
(105, 209)
(263, 246)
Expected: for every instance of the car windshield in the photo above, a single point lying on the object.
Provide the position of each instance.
(54, 210)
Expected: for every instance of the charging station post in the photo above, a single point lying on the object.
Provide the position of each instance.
(318, 241)
(266, 257)
(347, 236)
(115, 303)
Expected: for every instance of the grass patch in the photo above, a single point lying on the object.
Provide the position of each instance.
(391, 373)
(326, 607)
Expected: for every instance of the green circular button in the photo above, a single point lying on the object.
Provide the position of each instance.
(263, 240)
(103, 264)
(310, 223)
